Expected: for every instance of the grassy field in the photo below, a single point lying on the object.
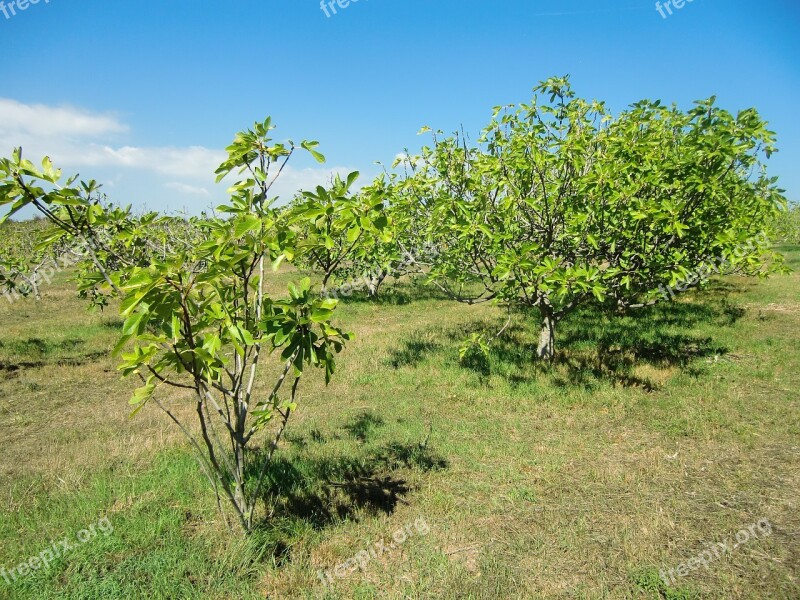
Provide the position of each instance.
(653, 436)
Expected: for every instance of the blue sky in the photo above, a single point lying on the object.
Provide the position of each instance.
(145, 95)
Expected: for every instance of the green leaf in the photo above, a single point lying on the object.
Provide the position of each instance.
(329, 303)
(247, 224)
(132, 324)
(276, 264)
(309, 146)
(120, 345)
(320, 315)
(352, 234)
(141, 396)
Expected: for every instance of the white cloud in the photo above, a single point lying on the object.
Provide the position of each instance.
(185, 188)
(191, 161)
(78, 139)
(41, 120)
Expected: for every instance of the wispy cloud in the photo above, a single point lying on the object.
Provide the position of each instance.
(190, 161)
(94, 143)
(42, 120)
(185, 188)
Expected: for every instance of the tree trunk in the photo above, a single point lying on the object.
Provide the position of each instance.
(32, 284)
(35, 285)
(547, 337)
(374, 284)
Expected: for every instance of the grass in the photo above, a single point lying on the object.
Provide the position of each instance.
(652, 435)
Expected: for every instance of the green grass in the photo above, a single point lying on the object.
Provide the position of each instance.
(651, 435)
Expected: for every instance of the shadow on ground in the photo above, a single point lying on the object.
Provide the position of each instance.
(322, 490)
(33, 353)
(395, 294)
(592, 344)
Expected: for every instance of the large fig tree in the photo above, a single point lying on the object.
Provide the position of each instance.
(559, 203)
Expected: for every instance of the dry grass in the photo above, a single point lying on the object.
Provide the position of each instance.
(650, 437)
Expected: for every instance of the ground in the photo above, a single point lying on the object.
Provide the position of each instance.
(654, 436)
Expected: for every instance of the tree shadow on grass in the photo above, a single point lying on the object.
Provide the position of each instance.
(363, 425)
(396, 294)
(320, 492)
(40, 347)
(414, 350)
(324, 490)
(34, 353)
(620, 364)
(593, 344)
(113, 323)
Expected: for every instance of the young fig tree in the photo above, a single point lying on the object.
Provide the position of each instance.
(197, 313)
(24, 263)
(337, 228)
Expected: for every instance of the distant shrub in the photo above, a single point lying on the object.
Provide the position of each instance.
(786, 225)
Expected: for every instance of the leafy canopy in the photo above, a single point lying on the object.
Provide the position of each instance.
(560, 203)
